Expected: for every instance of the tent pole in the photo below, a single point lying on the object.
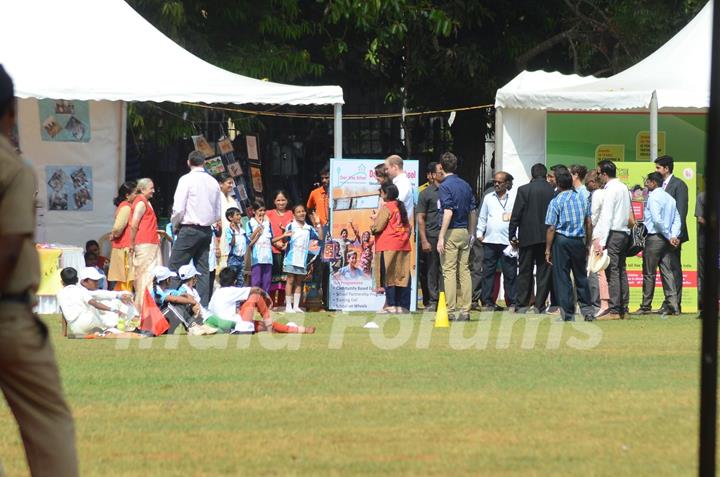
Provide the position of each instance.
(122, 159)
(498, 140)
(337, 112)
(709, 347)
(653, 126)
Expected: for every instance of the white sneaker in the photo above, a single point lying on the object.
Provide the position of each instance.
(209, 330)
(195, 330)
(299, 310)
(289, 310)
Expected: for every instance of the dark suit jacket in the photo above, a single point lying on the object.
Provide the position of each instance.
(531, 204)
(679, 191)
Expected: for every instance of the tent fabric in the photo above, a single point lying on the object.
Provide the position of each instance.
(679, 72)
(104, 50)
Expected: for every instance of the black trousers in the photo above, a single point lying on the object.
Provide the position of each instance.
(493, 252)
(617, 245)
(430, 273)
(193, 243)
(533, 256)
(476, 269)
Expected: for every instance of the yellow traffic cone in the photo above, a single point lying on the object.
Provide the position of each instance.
(441, 315)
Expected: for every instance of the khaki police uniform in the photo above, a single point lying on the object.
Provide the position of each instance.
(29, 376)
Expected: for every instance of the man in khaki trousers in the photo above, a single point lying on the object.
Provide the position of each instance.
(29, 377)
(457, 203)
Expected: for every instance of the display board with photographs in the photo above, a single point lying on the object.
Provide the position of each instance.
(69, 188)
(64, 121)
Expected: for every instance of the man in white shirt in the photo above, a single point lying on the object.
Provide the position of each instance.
(612, 232)
(492, 230)
(87, 309)
(394, 167)
(197, 206)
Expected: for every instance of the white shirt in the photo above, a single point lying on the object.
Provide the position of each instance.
(615, 211)
(491, 224)
(223, 303)
(665, 182)
(197, 199)
(596, 200)
(405, 192)
(74, 301)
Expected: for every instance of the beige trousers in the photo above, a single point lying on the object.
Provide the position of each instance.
(456, 270)
(146, 257)
(30, 381)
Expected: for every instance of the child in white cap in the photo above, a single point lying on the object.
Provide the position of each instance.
(88, 310)
(185, 302)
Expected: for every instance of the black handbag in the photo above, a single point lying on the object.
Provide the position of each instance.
(638, 233)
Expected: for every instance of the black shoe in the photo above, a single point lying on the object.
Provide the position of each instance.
(663, 310)
(589, 318)
(476, 307)
(493, 308)
(643, 311)
(431, 307)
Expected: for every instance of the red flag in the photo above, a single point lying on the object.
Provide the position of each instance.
(151, 318)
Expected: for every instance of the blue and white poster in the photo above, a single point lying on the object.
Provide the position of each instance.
(63, 120)
(355, 195)
(69, 188)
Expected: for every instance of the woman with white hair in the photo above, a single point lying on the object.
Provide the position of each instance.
(144, 239)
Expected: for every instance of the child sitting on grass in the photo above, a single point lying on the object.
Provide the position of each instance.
(235, 308)
(88, 310)
(183, 304)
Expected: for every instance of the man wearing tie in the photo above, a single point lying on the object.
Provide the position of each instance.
(678, 190)
(662, 221)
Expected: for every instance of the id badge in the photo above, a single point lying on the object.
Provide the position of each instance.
(506, 217)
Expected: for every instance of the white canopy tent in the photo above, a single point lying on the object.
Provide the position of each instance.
(106, 53)
(675, 78)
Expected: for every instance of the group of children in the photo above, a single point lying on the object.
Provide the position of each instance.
(256, 240)
(90, 312)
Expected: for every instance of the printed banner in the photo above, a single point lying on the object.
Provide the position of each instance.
(69, 188)
(634, 174)
(354, 197)
(66, 121)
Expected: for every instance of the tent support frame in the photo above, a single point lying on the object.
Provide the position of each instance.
(653, 126)
(337, 130)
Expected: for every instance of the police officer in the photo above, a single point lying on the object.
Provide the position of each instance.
(29, 376)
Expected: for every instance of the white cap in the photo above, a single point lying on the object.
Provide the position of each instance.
(598, 263)
(188, 271)
(90, 273)
(163, 273)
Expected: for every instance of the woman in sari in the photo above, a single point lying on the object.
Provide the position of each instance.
(121, 271)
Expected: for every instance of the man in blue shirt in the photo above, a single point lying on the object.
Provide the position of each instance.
(568, 239)
(457, 203)
(493, 231)
(664, 226)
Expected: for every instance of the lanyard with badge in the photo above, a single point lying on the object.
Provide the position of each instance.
(506, 215)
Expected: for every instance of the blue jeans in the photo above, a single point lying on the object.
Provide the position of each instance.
(570, 255)
(238, 264)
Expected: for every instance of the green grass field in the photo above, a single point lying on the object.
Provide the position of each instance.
(525, 399)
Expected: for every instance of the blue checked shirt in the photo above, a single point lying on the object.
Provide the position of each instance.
(567, 212)
(661, 215)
